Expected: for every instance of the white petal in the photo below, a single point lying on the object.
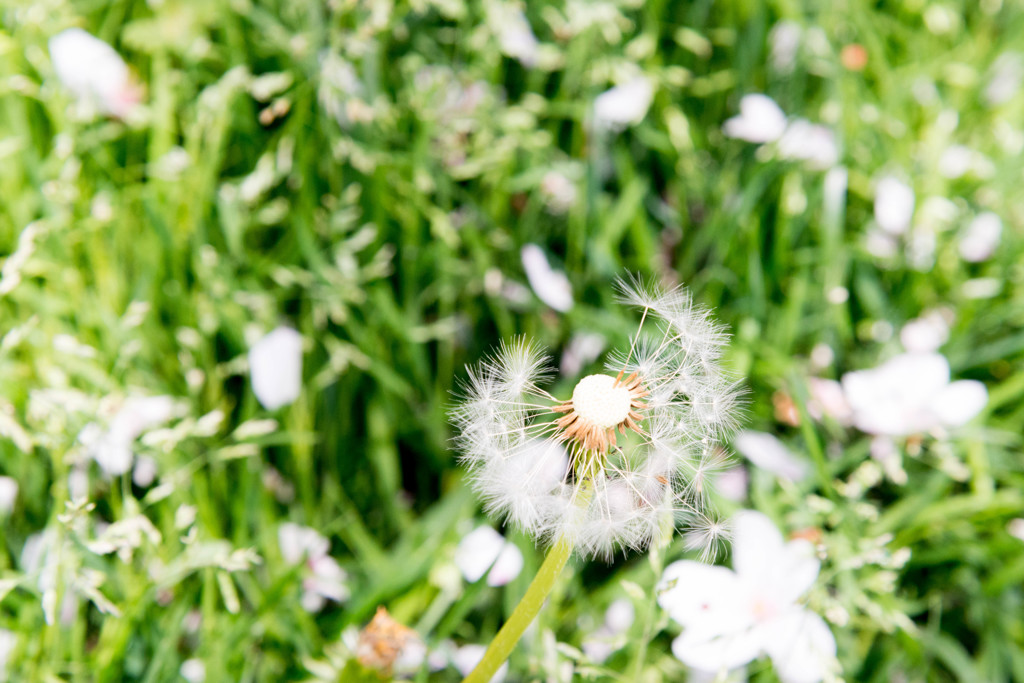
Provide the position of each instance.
(551, 286)
(893, 398)
(732, 484)
(718, 653)
(760, 120)
(624, 104)
(92, 70)
(704, 597)
(956, 404)
(298, 543)
(925, 334)
(483, 547)
(193, 671)
(827, 398)
(8, 641)
(275, 364)
(8, 494)
(468, 656)
(894, 205)
(114, 457)
(144, 472)
(810, 142)
(768, 453)
(619, 616)
(777, 572)
(507, 566)
(801, 646)
(981, 238)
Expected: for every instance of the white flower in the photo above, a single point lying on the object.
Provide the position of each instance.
(731, 617)
(784, 39)
(624, 105)
(326, 580)
(666, 396)
(93, 72)
(760, 120)
(275, 364)
(467, 657)
(559, 191)
(732, 483)
(515, 37)
(551, 286)
(1007, 75)
(485, 549)
(809, 142)
(610, 637)
(113, 449)
(911, 394)
(956, 161)
(827, 398)
(981, 238)
(8, 641)
(925, 334)
(768, 453)
(193, 671)
(894, 205)
(583, 348)
(8, 494)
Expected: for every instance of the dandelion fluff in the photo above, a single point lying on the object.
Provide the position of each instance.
(629, 455)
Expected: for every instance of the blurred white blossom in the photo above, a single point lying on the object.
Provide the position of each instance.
(894, 205)
(811, 143)
(325, 579)
(515, 36)
(731, 617)
(980, 239)
(94, 72)
(1007, 74)
(784, 42)
(911, 394)
(275, 364)
(467, 657)
(623, 105)
(600, 644)
(760, 120)
(485, 549)
(193, 671)
(8, 494)
(927, 333)
(559, 191)
(113, 448)
(551, 286)
(8, 641)
(768, 453)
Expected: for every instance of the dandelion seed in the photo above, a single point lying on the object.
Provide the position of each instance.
(628, 453)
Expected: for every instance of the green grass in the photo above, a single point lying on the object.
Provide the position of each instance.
(375, 238)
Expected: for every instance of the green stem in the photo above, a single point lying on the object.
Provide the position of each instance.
(524, 613)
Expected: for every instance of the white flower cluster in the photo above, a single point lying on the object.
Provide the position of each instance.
(573, 477)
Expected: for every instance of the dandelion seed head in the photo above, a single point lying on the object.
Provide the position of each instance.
(629, 455)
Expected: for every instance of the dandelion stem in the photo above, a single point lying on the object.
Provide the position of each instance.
(523, 615)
